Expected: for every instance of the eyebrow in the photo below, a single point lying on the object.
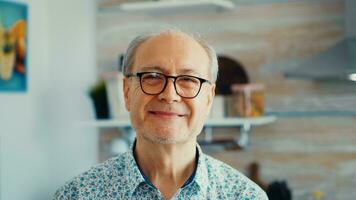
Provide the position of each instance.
(160, 69)
(154, 67)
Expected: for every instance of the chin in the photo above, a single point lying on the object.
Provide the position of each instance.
(165, 138)
(160, 140)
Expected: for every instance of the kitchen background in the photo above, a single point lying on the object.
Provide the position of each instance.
(312, 142)
(311, 145)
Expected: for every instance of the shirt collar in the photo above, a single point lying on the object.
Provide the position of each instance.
(134, 177)
(132, 173)
(201, 176)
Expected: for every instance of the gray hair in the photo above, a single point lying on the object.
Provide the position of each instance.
(129, 57)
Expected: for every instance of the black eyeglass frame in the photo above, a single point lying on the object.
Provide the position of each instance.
(140, 74)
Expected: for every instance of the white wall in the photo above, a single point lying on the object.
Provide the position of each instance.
(41, 142)
(350, 8)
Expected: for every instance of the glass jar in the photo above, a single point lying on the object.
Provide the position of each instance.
(247, 100)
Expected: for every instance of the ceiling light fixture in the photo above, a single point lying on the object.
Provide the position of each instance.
(150, 5)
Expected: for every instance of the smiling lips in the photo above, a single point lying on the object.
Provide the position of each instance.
(164, 114)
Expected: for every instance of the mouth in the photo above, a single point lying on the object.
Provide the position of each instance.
(166, 114)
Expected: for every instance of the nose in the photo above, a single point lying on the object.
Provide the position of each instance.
(169, 93)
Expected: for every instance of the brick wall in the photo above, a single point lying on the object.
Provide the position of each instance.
(311, 152)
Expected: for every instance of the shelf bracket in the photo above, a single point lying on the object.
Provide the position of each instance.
(244, 138)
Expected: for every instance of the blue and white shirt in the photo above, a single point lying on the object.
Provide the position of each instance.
(121, 178)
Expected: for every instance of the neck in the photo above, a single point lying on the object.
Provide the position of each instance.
(167, 166)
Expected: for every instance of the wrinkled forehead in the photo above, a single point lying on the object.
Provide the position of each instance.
(177, 50)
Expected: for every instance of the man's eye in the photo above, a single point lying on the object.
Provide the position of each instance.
(151, 76)
(189, 80)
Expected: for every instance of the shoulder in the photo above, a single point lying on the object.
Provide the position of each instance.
(93, 182)
(229, 180)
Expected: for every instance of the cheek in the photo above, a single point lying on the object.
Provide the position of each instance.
(198, 116)
(135, 97)
(199, 109)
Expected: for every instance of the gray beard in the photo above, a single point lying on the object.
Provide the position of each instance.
(159, 140)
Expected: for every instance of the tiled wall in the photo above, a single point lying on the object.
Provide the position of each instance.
(311, 152)
(267, 38)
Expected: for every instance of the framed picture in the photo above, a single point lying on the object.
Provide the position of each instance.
(13, 47)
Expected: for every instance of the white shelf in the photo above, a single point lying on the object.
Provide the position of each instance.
(235, 121)
(245, 124)
(224, 122)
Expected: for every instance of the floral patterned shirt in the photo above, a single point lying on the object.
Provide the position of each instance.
(120, 178)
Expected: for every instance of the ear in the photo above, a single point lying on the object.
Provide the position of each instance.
(126, 93)
(211, 95)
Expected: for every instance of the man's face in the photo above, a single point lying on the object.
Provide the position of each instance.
(167, 117)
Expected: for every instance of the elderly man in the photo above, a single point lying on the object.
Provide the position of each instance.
(169, 89)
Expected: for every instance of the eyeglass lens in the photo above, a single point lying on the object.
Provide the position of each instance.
(155, 83)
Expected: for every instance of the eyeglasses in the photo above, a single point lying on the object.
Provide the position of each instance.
(154, 83)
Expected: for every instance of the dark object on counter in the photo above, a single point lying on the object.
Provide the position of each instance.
(230, 72)
(99, 97)
(279, 190)
(254, 175)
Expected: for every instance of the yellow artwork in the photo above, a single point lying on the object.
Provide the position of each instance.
(13, 44)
